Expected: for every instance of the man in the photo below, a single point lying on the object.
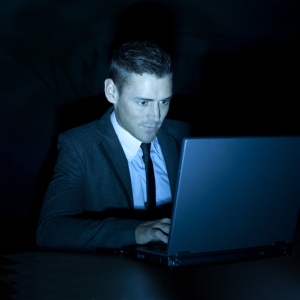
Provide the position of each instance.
(98, 192)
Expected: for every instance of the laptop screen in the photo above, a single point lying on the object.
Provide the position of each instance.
(235, 193)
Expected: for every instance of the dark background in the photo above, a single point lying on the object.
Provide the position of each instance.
(236, 72)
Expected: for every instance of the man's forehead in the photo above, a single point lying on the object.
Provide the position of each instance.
(148, 86)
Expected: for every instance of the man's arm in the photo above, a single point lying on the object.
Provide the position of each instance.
(62, 224)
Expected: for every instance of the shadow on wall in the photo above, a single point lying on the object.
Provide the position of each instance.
(147, 21)
(252, 92)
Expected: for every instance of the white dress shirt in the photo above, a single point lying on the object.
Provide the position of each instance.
(134, 153)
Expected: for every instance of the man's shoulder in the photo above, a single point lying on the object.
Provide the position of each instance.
(80, 137)
(176, 127)
(176, 123)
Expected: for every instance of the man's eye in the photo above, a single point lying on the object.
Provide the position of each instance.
(165, 102)
(143, 102)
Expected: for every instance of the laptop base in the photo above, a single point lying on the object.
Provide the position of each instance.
(189, 259)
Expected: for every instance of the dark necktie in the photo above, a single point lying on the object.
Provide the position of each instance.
(150, 180)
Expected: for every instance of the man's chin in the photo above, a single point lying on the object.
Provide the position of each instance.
(148, 138)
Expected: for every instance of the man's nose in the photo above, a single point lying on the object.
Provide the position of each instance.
(154, 112)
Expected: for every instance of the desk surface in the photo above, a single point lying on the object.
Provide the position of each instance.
(61, 275)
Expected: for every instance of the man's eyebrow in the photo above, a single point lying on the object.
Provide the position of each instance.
(149, 99)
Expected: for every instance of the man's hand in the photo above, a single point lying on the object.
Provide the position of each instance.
(153, 231)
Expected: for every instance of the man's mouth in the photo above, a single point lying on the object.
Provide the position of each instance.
(150, 128)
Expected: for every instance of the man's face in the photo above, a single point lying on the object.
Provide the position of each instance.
(143, 105)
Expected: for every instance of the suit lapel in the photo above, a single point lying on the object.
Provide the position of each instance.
(171, 152)
(111, 148)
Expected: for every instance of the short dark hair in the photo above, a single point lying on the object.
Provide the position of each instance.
(138, 57)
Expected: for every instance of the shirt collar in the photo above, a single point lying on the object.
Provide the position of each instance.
(129, 143)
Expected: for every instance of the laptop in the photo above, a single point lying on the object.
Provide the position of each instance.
(236, 198)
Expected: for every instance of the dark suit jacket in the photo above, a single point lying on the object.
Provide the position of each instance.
(89, 202)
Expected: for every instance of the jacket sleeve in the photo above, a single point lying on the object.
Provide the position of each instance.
(62, 225)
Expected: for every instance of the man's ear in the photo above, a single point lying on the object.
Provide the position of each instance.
(111, 91)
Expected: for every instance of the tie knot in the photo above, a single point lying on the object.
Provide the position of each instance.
(146, 149)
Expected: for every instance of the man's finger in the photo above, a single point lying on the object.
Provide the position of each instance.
(159, 235)
(163, 227)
